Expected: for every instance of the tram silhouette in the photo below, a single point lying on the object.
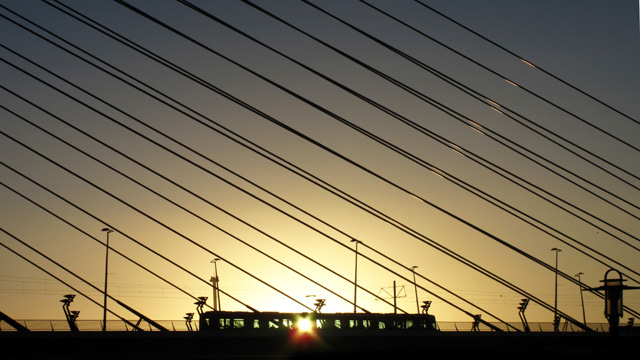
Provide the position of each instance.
(222, 321)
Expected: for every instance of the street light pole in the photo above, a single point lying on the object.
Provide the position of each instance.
(106, 273)
(415, 286)
(555, 306)
(355, 280)
(214, 282)
(584, 317)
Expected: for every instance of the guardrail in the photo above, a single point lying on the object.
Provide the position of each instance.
(180, 325)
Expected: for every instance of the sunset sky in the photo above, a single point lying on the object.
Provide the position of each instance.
(270, 142)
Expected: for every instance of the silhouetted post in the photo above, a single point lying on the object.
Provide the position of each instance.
(556, 321)
(69, 314)
(523, 318)
(395, 298)
(188, 319)
(215, 284)
(355, 280)
(584, 316)
(106, 272)
(415, 286)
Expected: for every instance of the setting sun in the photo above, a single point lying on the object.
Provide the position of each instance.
(304, 325)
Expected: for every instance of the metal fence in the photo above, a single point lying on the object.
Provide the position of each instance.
(180, 325)
(96, 325)
(513, 327)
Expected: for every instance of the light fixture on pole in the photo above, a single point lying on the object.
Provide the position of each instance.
(215, 283)
(415, 286)
(355, 280)
(584, 317)
(106, 272)
(613, 305)
(556, 321)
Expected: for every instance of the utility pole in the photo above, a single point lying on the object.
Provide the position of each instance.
(106, 274)
(355, 279)
(215, 283)
(415, 286)
(584, 317)
(556, 321)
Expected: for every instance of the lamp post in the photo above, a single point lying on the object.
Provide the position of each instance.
(106, 272)
(555, 306)
(355, 280)
(415, 286)
(214, 282)
(584, 317)
(613, 306)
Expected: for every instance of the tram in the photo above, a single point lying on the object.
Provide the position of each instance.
(316, 322)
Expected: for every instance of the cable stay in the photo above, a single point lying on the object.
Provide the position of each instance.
(95, 110)
(98, 241)
(482, 99)
(50, 85)
(334, 116)
(14, 324)
(259, 112)
(151, 322)
(413, 158)
(476, 126)
(295, 132)
(518, 85)
(106, 145)
(155, 172)
(249, 107)
(153, 219)
(191, 193)
(452, 113)
(162, 24)
(120, 232)
(404, 278)
(528, 62)
(330, 151)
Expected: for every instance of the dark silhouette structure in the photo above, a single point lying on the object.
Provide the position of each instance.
(71, 315)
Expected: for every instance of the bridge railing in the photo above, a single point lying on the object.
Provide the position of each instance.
(180, 325)
(95, 325)
(453, 326)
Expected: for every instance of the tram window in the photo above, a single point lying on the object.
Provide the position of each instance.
(280, 324)
(408, 324)
(238, 323)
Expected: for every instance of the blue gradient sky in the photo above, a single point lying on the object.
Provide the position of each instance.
(593, 45)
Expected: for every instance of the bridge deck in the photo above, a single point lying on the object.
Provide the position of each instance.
(185, 345)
